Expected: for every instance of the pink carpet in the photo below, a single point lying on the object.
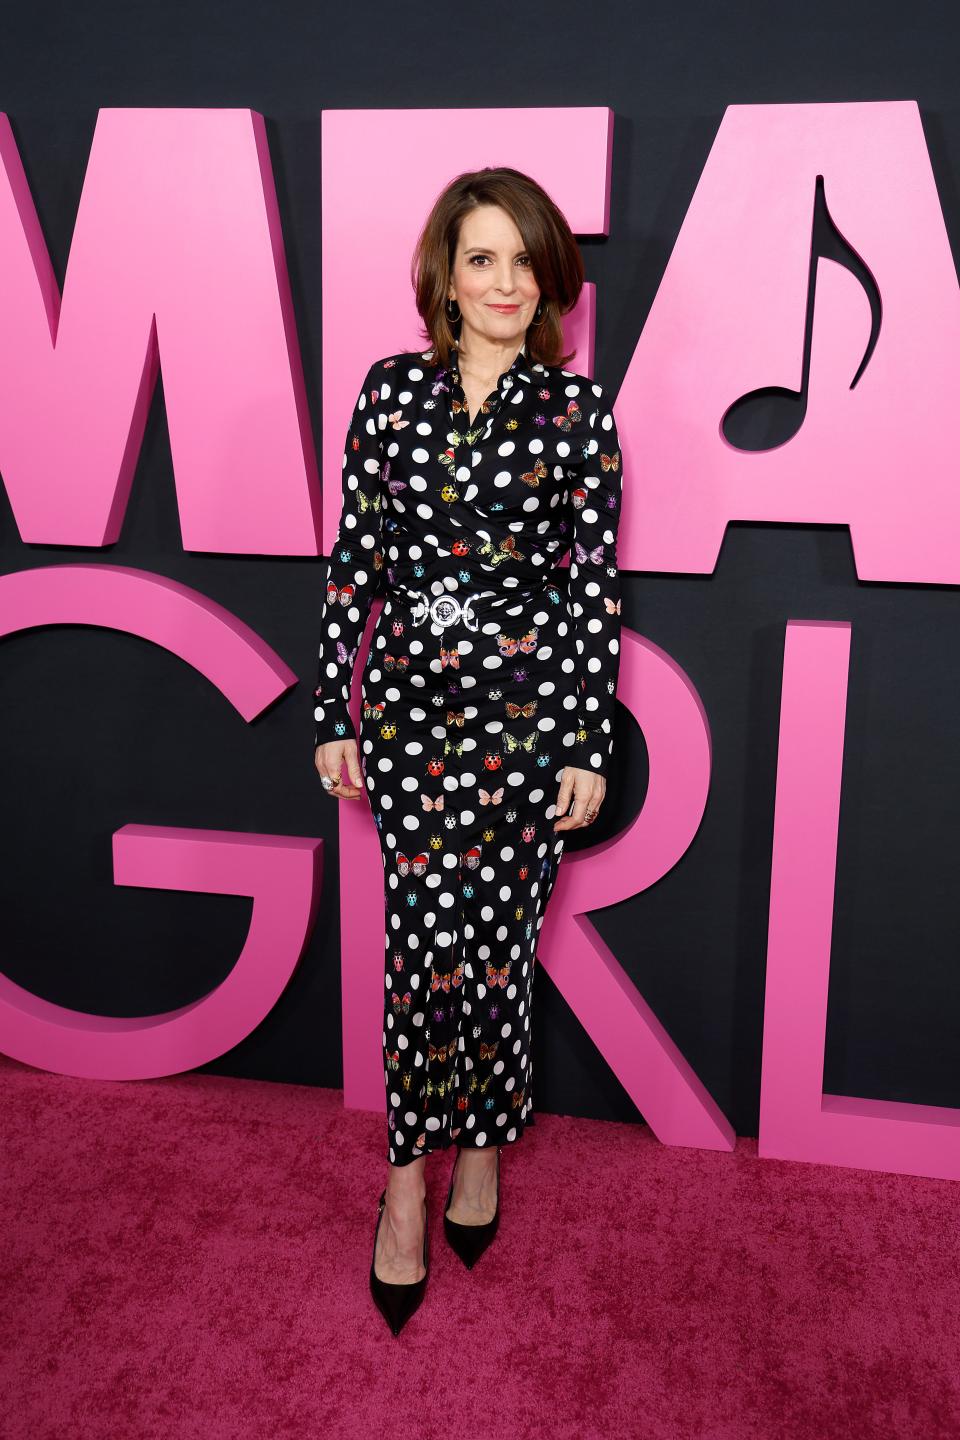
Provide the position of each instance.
(188, 1258)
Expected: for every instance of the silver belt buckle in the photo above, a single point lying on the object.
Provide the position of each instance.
(445, 610)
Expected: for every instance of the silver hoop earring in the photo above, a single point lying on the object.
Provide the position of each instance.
(453, 318)
(535, 320)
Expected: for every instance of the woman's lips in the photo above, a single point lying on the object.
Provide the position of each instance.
(505, 309)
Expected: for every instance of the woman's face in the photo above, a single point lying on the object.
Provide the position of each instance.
(492, 279)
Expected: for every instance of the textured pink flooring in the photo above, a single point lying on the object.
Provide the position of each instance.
(188, 1258)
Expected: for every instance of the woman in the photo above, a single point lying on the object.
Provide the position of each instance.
(470, 470)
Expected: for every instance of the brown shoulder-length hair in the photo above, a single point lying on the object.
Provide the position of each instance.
(554, 257)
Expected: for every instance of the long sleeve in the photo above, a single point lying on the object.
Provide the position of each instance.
(355, 567)
(594, 586)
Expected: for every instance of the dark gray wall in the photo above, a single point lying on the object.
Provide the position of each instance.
(99, 729)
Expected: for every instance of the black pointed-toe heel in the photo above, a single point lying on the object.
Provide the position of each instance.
(470, 1241)
(397, 1303)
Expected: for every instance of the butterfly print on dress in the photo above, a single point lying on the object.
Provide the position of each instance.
(465, 726)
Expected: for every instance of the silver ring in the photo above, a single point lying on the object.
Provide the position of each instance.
(326, 782)
(420, 609)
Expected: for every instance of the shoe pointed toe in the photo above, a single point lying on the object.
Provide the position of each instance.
(470, 1241)
(397, 1303)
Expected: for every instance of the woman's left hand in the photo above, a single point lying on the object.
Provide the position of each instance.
(586, 790)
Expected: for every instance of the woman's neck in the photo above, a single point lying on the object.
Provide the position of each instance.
(482, 360)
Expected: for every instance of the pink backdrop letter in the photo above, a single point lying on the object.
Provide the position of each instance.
(281, 873)
(728, 319)
(176, 258)
(368, 308)
(797, 1120)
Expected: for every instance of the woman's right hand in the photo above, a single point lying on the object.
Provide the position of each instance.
(339, 760)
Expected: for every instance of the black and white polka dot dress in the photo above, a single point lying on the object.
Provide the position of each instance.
(489, 670)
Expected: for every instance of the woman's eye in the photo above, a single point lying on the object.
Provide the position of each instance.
(523, 259)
